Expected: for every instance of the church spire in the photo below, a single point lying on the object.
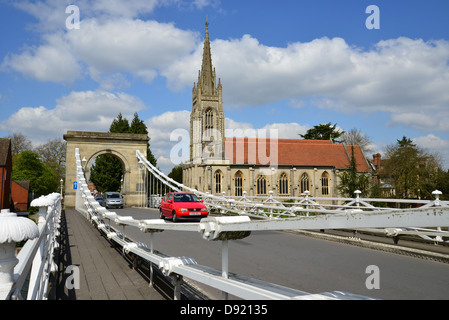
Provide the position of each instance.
(207, 75)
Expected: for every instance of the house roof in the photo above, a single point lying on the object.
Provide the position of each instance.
(295, 152)
(25, 184)
(5, 145)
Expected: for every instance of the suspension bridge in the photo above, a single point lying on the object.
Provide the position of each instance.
(234, 219)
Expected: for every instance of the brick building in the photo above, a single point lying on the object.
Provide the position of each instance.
(5, 173)
(20, 195)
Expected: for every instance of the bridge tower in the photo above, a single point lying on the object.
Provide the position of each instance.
(93, 144)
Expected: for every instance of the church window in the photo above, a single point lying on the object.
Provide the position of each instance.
(238, 182)
(305, 183)
(218, 181)
(325, 184)
(209, 122)
(261, 185)
(283, 185)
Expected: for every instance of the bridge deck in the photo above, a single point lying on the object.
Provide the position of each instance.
(104, 273)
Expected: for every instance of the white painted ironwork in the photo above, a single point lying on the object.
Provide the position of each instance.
(302, 214)
(289, 207)
(34, 263)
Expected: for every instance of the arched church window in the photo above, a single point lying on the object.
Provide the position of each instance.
(238, 183)
(304, 183)
(261, 187)
(209, 122)
(218, 181)
(283, 185)
(325, 184)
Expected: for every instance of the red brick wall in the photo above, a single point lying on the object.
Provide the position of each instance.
(19, 197)
(5, 188)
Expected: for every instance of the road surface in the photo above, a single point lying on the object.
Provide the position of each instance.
(305, 263)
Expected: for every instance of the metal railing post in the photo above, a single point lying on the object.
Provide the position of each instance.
(13, 229)
(177, 282)
(224, 264)
(151, 284)
(36, 271)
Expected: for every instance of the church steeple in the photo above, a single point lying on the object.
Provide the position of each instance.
(207, 78)
(207, 120)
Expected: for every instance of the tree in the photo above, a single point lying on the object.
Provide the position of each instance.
(176, 173)
(357, 137)
(53, 153)
(443, 184)
(108, 167)
(413, 171)
(323, 132)
(119, 125)
(106, 173)
(28, 166)
(139, 127)
(351, 180)
(19, 143)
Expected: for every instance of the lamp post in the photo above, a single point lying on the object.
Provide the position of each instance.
(61, 181)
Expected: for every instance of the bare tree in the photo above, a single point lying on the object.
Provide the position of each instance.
(357, 137)
(52, 153)
(19, 142)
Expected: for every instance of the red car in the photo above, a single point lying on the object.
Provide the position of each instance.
(179, 205)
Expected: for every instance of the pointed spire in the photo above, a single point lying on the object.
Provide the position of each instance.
(207, 74)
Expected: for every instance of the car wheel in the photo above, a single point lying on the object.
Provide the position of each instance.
(161, 215)
(174, 217)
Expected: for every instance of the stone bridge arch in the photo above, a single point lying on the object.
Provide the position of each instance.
(93, 144)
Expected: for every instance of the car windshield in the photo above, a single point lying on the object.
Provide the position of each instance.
(114, 195)
(186, 198)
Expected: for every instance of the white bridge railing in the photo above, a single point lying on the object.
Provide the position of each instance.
(27, 275)
(270, 207)
(355, 215)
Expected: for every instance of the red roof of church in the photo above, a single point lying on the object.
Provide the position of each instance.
(294, 152)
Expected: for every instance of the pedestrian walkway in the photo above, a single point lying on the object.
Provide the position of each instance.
(104, 273)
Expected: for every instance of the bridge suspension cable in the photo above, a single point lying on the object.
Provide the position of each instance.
(358, 214)
(271, 208)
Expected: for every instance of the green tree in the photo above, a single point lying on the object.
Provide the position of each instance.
(28, 166)
(176, 173)
(108, 167)
(352, 180)
(106, 173)
(443, 184)
(139, 127)
(323, 132)
(53, 153)
(413, 171)
(119, 125)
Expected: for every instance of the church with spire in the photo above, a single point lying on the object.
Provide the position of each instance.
(207, 121)
(256, 165)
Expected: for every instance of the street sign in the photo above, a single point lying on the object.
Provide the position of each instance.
(75, 185)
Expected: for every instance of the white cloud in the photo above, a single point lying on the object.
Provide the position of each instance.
(88, 110)
(401, 77)
(170, 135)
(102, 49)
(431, 141)
(427, 120)
(52, 61)
(51, 14)
(435, 145)
(126, 45)
(167, 132)
(396, 76)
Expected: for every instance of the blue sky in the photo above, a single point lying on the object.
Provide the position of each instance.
(285, 64)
